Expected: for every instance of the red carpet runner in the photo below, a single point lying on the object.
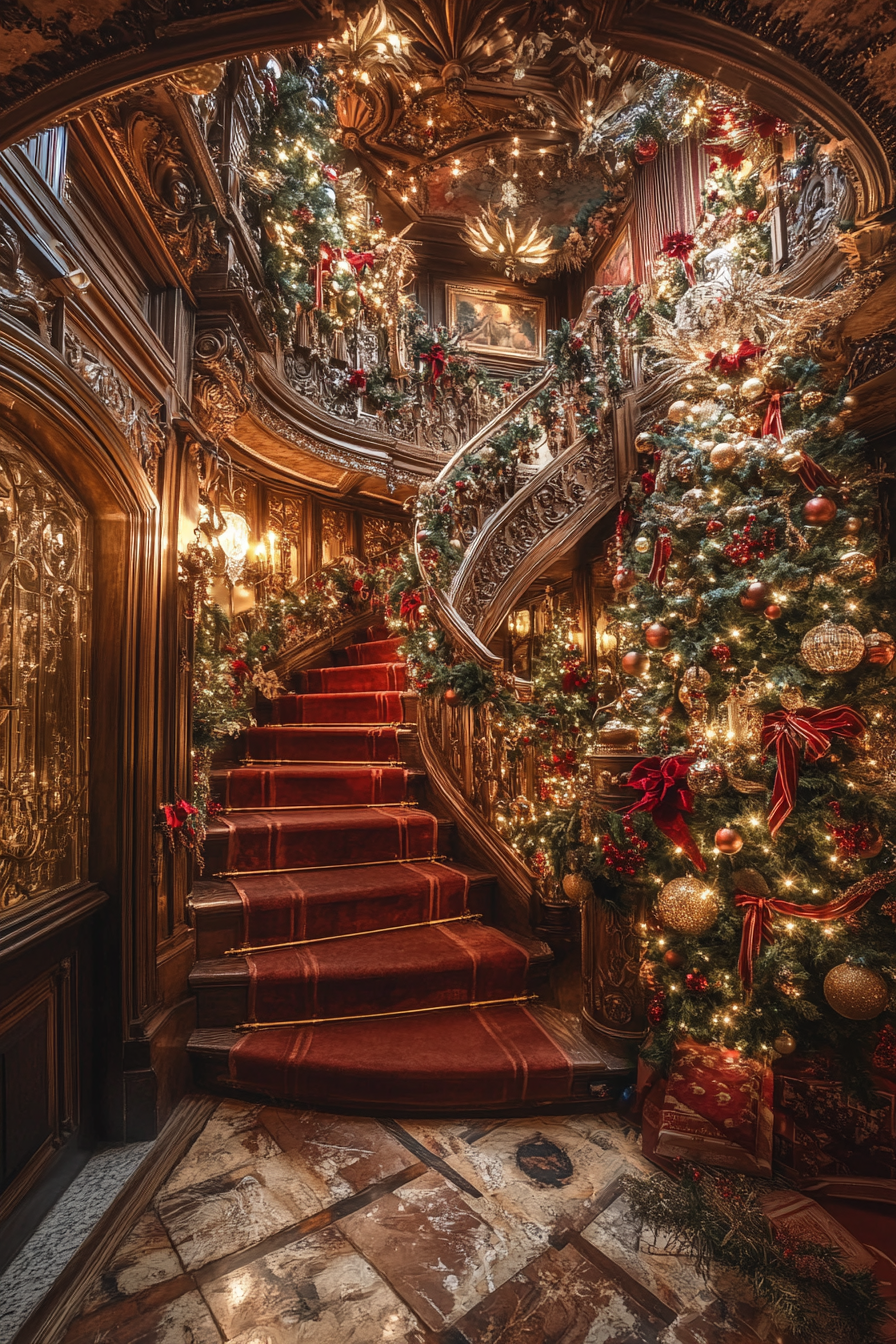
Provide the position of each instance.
(314, 825)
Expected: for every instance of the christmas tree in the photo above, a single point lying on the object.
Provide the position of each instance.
(755, 659)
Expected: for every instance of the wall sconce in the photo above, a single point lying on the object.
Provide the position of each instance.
(520, 623)
(234, 544)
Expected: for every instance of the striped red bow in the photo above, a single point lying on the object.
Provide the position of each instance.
(809, 730)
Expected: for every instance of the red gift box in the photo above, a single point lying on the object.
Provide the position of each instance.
(715, 1108)
(821, 1131)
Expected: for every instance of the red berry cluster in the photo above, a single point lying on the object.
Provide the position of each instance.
(656, 1008)
(854, 838)
(750, 545)
(696, 982)
(721, 652)
(628, 860)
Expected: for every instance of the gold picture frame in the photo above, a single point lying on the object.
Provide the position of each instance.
(496, 321)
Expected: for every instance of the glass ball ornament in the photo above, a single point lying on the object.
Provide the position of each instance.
(775, 377)
(658, 635)
(727, 420)
(784, 1043)
(755, 596)
(855, 565)
(880, 648)
(723, 457)
(687, 905)
(679, 411)
(644, 443)
(724, 390)
(635, 663)
(707, 778)
(833, 427)
(819, 511)
(696, 678)
(642, 544)
(749, 422)
(772, 612)
(830, 648)
(852, 526)
(673, 958)
(855, 992)
(728, 840)
(811, 400)
(751, 389)
(791, 462)
(577, 887)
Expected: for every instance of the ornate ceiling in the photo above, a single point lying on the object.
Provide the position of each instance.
(54, 55)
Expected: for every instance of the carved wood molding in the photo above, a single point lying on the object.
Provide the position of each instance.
(222, 372)
(139, 426)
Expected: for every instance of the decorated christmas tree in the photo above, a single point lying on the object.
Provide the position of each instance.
(756, 661)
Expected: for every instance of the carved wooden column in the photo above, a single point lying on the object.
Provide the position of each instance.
(612, 951)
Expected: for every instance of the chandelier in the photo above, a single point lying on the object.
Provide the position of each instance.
(519, 254)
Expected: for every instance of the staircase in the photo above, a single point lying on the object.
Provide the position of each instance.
(340, 911)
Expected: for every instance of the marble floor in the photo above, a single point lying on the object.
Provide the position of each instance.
(292, 1227)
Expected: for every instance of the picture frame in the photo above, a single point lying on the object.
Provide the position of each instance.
(616, 267)
(497, 321)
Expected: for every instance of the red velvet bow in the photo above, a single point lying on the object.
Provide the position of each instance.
(633, 307)
(758, 910)
(409, 609)
(680, 246)
(358, 260)
(662, 553)
(436, 359)
(178, 813)
(726, 363)
(358, 380)
(812, 729)
(728, 156)
(666, 798)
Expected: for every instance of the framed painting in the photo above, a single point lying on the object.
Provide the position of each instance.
(615, 268)
(496, 321)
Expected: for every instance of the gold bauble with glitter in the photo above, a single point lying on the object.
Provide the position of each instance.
(678, 411)
(642, 544)
(791, 462)
(751, 389)
(810, 401)
(784, 1043)
(687, 905)
(775, 377)
(723, 457)
(644, 443)
(855, 565)
(830, 648)
(855, 992)
(707, 778)
(577, 887)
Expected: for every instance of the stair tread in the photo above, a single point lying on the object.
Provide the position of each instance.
(221, 894)
(316, 818)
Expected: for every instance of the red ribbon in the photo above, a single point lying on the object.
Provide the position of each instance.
(358, 380)
(633, 307)
(732, 363)
(178, 813)
(773, 422)
(757, 926)
(811, 729)
(680, 246)
(436, 359)
(813, 475)
(409, 609)
(666, 798)
(662, 553)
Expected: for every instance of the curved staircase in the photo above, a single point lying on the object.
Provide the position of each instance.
(340, 913)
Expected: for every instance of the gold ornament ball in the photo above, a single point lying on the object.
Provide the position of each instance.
(792, 462)
(855, 565)
(749, 422)
(688, 905)
(644, 443)
(642, 545)
(635, 663)
(810, 401)
(724, 389)
(723, 457)
(855, 992)
(707, 778)
(834, 426)
(880, 648)
(678, 411)
(696, 678)
(784, 1043)
(729, 418)
(775, 377)
(852, 526)
(577, 887)
(751, 389)
(830, 648)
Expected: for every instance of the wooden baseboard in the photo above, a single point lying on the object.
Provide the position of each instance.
(52, 1316)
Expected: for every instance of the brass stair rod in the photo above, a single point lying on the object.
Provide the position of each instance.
(359, 933)
(322, 867)
(287, 760)
(315, 807)
(399, 1012)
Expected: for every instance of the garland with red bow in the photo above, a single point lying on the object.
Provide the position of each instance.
(758, 928)
(358, 380)
(679, 247)
(409, 609)
(436, 358)
(733, 363)
(811, 730)
(667, 798)
(178, 824)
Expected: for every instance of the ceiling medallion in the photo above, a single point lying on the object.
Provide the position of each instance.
(521, 255)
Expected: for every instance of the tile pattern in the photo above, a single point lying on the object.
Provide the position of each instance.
(283, 1226)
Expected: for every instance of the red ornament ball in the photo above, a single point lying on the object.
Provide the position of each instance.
(721, 652)
(713, 526)
(728, 840)
(755, 596)
(772, 612)
(658, 636)
(673, 959)
(818, 511)
(635, 663)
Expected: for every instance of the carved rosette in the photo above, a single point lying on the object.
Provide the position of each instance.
(221, 376)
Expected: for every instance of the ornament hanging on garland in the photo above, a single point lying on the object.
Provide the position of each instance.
(687, 905)
(880, 648)
(830, 648)
(784, 1043)
(728, 840)
(855, 992)
(755, 596)
(577, 887)
(855, 565)
(707, 778)
(658, 636)
(635, 663)
(819, 511)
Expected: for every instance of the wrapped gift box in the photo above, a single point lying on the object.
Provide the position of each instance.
(715, 1108)
(821, 1131)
